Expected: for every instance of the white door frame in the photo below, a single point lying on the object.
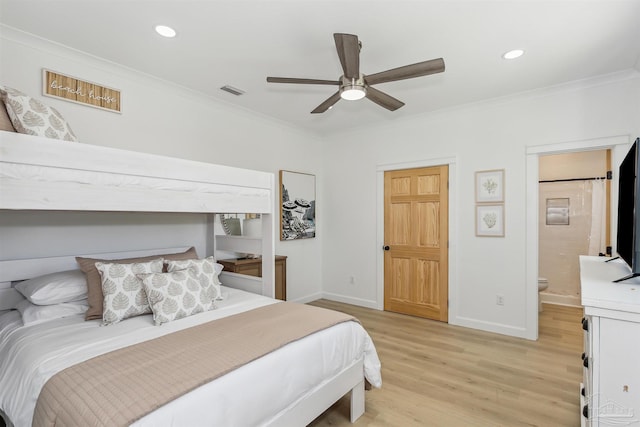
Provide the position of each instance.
(618, 146)
(453, 225)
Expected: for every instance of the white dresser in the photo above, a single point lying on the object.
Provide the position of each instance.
(610, 392)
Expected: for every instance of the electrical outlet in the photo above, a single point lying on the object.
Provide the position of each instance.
(500, 299)
(352, 280)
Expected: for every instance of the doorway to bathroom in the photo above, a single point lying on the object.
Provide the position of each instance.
(573, 219)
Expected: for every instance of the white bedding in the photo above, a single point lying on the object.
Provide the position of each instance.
(9, 322)
(30, 355)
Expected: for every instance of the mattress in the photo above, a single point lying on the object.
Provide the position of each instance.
(30, 355)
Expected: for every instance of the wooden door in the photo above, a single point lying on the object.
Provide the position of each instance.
(416, 242)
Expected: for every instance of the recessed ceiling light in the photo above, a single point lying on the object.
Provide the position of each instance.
(165, 31)
(513, 54)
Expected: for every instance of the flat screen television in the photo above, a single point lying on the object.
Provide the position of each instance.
(628, 238)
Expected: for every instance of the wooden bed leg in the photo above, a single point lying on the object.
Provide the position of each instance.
(357, 401)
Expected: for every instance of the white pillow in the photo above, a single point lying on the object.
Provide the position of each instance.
(32, 313)
(124, 295)
(55, 288)
(207, 271)
(177, 294)
(32, 117)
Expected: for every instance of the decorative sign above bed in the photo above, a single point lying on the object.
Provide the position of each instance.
(75, 90)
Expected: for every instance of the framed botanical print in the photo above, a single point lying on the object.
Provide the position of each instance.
(490, 220)
(490, 186)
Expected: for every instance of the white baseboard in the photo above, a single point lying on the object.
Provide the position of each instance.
(308, 298)
(350, 300)
(497, 328)
(338, 298)
(568, 300)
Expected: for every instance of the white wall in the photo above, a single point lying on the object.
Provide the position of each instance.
(158, 117)
(489, 135)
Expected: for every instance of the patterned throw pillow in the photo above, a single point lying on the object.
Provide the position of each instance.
(124, 295)
(177, 294)
(207, 271)
(94, 282)
(32, 117)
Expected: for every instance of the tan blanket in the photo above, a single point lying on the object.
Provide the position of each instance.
(120, 387)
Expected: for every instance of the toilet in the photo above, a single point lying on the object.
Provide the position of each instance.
(543, 284)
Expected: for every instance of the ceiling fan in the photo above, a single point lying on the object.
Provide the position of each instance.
(355, 85)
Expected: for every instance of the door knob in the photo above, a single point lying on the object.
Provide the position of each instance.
(386, 247)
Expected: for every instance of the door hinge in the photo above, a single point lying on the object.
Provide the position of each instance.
(609, 175)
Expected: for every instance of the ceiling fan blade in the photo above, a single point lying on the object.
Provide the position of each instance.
(327, 104)
(348, 49)
(383, 100)
(407, 72)
(303, 81)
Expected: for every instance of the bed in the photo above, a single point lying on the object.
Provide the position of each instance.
(288, 386)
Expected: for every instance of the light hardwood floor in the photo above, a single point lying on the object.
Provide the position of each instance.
(435, 374)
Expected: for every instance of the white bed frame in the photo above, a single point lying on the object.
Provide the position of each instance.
(44, 174)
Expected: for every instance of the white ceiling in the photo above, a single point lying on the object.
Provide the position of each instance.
(240, 42)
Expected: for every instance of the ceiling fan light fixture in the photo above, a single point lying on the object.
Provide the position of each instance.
(352, 92)
(353, 89)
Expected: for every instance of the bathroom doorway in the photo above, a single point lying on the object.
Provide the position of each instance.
(573, 219)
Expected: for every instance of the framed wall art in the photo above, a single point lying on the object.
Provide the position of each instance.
(297, 205)
(490, 186)
(490, 220)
